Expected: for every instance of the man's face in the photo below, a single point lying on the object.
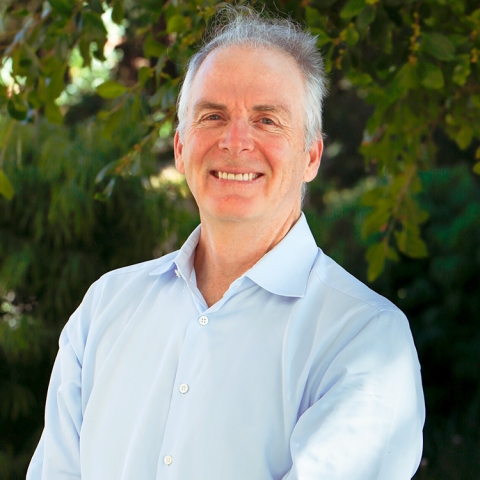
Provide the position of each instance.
(243, 151)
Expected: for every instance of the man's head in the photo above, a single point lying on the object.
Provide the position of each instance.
(242, 26)
(250, 121)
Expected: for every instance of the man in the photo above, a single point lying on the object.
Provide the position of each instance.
(248, 354)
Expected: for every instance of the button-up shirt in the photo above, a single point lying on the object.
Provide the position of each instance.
(299, 372)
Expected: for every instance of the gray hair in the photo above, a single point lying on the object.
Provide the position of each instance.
(243, 26)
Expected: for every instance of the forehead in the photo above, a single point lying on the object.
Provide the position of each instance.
(252, 75)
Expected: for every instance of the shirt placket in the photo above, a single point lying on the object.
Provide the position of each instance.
(187, 380)
(185, 385)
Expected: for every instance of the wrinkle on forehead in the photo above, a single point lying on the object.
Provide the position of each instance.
(203, 105)
(242, 54)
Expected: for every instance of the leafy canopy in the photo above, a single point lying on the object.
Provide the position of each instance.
(415, 63)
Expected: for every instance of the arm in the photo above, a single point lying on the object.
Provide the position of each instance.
(366, 423)
(57, 456)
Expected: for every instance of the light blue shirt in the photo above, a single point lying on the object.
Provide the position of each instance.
(299, 372)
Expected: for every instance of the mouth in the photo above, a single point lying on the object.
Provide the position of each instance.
(238, 177)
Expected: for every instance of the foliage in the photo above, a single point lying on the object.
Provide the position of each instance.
(441, 297)
(416, 63)
(55, 241)
(86, 129)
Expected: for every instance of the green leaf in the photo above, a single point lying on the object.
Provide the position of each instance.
(431, 76)
(144, 74)
(93, 26)
(111, 125)
(53, 113)
(136, 106)
(33, 99)
(372, 197)
(438, 45)
(407, 77)
(111, 89)
(6, 188)
(365, 18)
(409, 241)
(462, 70)
(375, 256)
(84, 47)
(352, 8)
(17, 110)
(177, 23)
(118, 12)
(152, 48)
(322, 37)
(392, 254)
(314, 18)
(153, 5)
(376, 221)
(56, 85)
(352, 36)
(359, 79)
(410, 209)
(64, 7)
(464, 136)
(50, 64)
(96, 6)
(475, 100)
(28, 64)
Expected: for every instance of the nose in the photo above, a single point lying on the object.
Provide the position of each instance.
(236, 137)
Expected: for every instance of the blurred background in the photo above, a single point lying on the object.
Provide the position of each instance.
(87, 183)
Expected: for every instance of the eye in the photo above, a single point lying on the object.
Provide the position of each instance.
(267, 121)
(212, 116)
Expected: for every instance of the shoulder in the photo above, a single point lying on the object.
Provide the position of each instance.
(138, 273)
(144, 268)
(343, 288)
(351, 318)
(125, 283)
(112, 296)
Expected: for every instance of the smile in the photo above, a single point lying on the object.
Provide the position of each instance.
(239, 177)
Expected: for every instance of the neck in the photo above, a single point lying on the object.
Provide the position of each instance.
(226, 250)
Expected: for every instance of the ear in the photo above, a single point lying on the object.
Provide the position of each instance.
(314, 157)
(178, 151)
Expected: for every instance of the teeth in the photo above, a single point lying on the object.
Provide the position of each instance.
(240, 177)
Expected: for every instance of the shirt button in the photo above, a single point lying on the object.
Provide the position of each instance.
(203, 320)
(168, 459)
(183, 388)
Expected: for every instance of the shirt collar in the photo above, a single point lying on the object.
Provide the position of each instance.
(284, 270)
(182, 259)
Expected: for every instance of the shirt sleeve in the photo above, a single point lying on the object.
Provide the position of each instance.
(367, 420)
(57, 456)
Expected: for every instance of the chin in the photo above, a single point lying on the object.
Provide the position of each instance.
(233, 210)
(233, 214)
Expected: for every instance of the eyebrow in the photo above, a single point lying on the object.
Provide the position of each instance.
(206, 105)
(274, 109)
